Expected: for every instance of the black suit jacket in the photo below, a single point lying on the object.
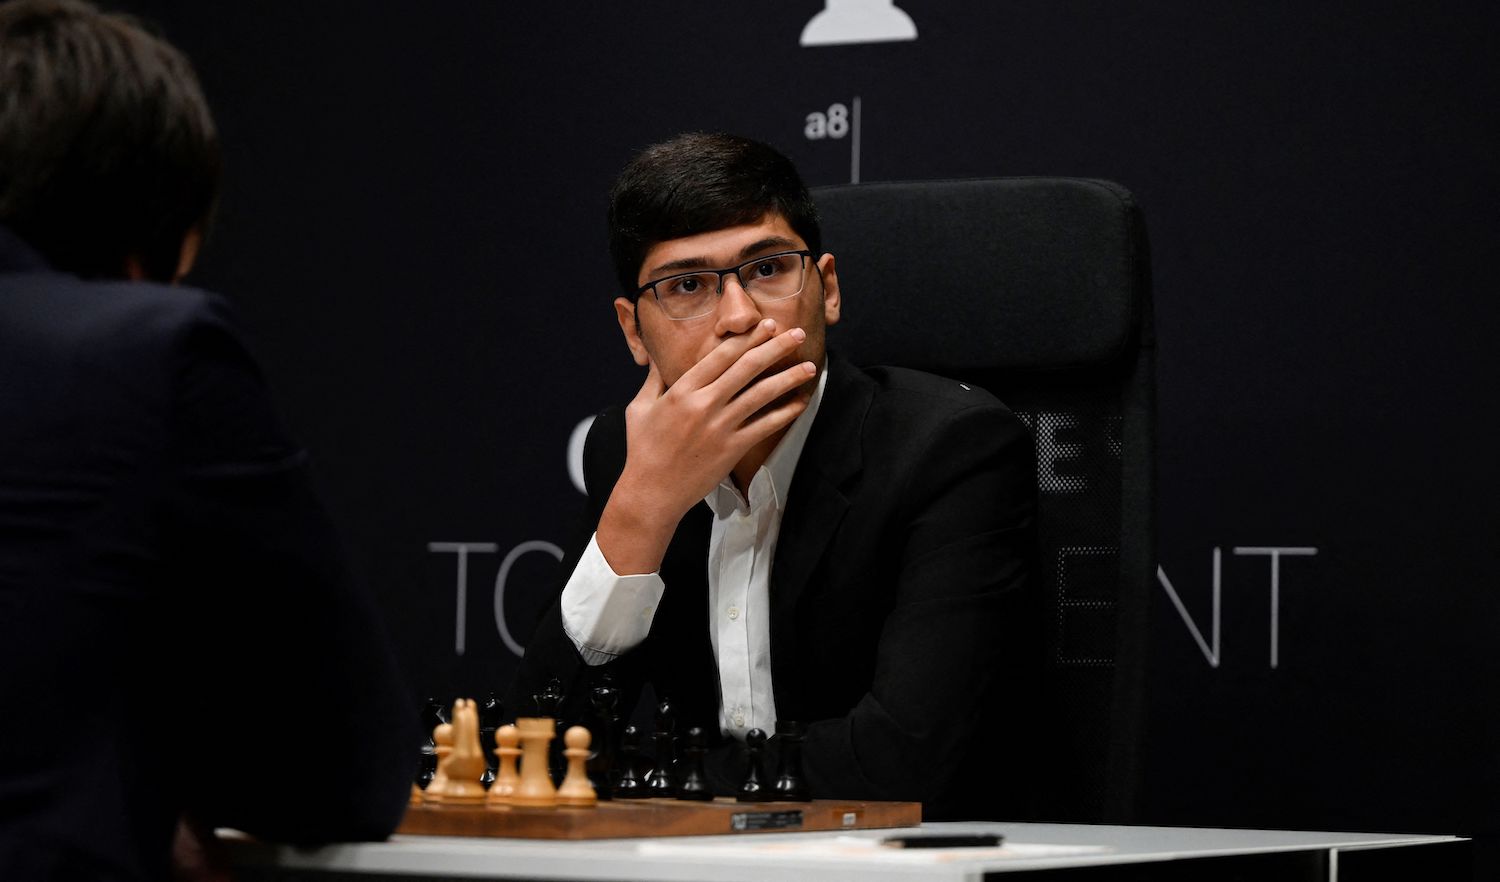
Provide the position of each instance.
(900, 591)
(177, 629)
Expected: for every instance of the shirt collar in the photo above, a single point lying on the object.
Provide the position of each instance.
(779, 467)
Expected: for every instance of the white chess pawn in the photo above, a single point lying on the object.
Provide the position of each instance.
(442, 738)
(576, 790)
(506, 740)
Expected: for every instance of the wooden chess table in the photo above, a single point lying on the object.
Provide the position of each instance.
(625, 818)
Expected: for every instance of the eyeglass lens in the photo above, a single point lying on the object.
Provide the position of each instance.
(774, 277)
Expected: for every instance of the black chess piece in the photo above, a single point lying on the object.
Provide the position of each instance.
(695, 778)
(630, 776)
(490, 713)
(754, 789)
(660, 782)
(431, 717)
(549, 701)
(601, 762)
(549, 704)
(790, 784)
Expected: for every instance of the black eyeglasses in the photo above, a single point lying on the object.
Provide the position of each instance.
(766, 279)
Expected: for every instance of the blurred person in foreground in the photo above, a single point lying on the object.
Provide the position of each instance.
(181, 645)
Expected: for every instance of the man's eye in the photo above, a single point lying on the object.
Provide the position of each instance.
(684, 287)
(767, 268)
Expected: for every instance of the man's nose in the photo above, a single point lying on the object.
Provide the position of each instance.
(738, 311)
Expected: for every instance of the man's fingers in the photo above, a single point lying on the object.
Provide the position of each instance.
(756, 362)
(726, 355)
(768, 421)
(744, 408)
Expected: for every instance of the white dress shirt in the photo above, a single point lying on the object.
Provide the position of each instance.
(606, 614)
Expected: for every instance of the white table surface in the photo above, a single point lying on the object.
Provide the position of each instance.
(785, 857)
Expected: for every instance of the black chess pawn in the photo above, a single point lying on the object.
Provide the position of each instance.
(549, 701)
(490, 713)
(790, 784)
(661, 781)
(694, 778)
(754, 789)
(630, 775)
(601, 762)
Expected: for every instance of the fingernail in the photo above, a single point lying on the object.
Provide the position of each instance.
(809, 367)
(798, 334)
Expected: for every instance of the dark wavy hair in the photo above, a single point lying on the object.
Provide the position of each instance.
(107, 147)
(698, 183)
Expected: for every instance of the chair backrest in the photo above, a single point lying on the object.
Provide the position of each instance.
(1037, 289)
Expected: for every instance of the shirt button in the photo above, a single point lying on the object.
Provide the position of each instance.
(646, 613)
(739, 720)
(734, 613)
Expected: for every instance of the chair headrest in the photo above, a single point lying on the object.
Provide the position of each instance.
(970, 276)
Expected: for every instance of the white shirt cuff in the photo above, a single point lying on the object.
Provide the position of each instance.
(606, 614)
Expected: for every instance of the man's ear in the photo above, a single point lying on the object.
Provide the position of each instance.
(630, 326)
(188, 255)
(832, 300)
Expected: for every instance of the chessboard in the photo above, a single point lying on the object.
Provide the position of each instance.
(627, 818)
(665, 795)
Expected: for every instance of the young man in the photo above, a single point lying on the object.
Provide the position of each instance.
(178, 635)
(776, 533)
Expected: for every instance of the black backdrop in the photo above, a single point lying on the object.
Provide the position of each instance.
(413, 231)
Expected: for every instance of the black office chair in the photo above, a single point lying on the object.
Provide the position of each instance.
(1037, 289)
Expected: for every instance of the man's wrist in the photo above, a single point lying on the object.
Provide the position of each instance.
(634, 530)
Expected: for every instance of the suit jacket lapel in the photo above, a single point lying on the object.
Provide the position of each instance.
(831, 457)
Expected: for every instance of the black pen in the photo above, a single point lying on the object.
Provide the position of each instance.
(941, 840)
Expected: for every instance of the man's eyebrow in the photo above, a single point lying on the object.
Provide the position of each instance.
(692, 263)
(685, 263)
(764, 244)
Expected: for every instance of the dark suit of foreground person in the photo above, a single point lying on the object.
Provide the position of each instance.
(178, 636)
(885, 610)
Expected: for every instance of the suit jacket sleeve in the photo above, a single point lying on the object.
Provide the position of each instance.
(550, 653)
